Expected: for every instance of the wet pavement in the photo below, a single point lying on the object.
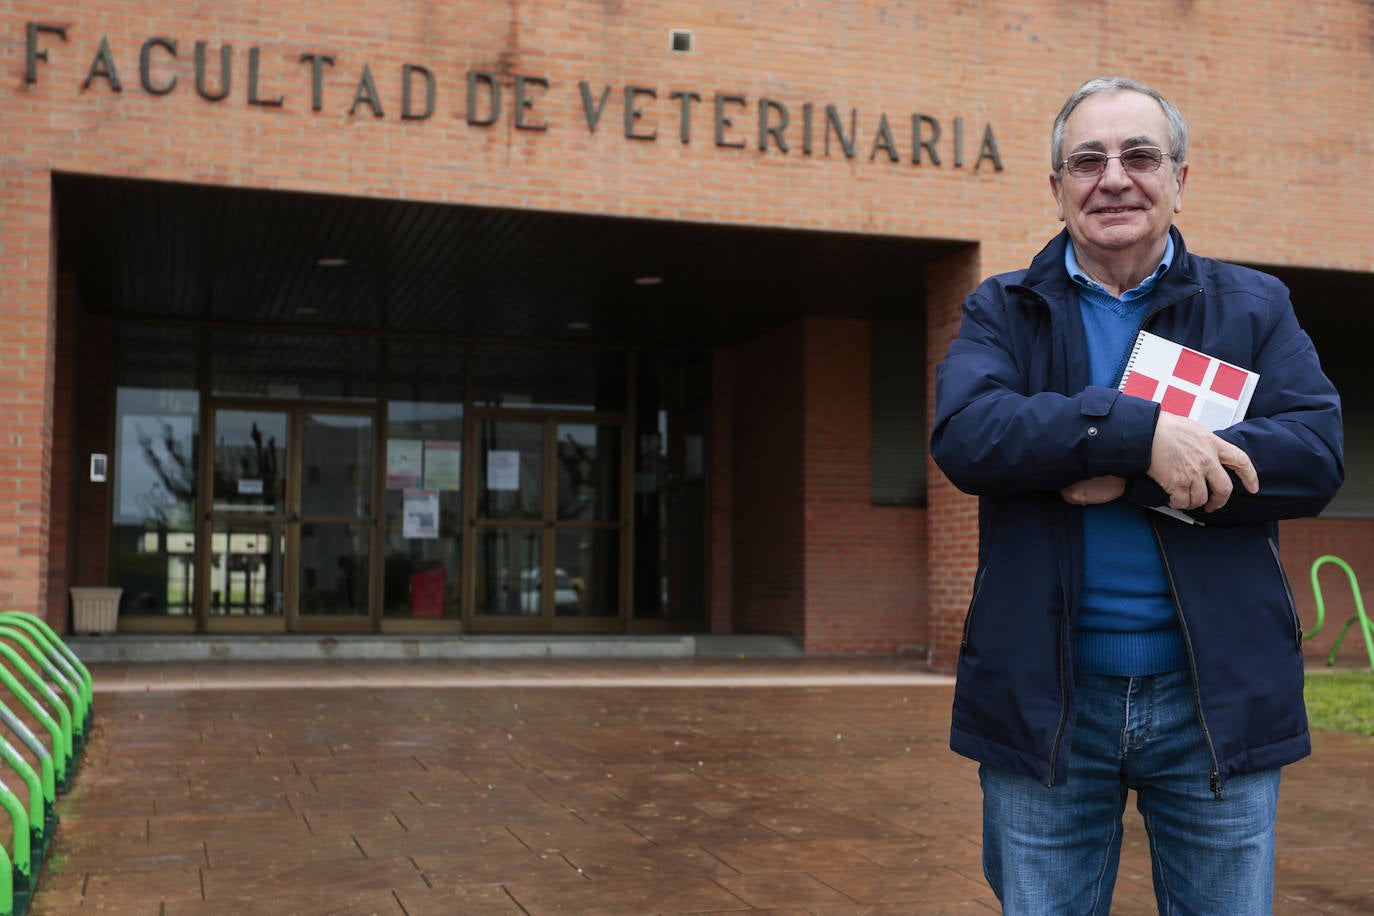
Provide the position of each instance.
(785, 786)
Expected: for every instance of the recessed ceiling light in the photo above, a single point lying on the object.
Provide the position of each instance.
(332, 262)
(579, 325)
(648, 281)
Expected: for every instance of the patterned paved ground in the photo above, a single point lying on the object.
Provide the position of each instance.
(695, 786)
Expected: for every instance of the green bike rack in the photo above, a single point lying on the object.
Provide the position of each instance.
(39, 834)
(21, 883)
(61, 742)
(6, 884)
(64, 715)
(50, 670)
(1359, 615)
(58, 651)
(46, 779)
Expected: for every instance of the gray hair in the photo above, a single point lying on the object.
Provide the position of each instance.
(1178, 128)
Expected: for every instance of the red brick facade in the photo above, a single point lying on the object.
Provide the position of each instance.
(797, 546)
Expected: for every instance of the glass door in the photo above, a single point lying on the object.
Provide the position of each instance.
(248, 515)
(290, 524)
(546, 524)
(333, 549)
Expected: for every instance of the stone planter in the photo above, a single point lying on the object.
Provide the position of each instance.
(95, 610)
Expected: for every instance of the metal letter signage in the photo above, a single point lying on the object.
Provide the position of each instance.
(349, 89)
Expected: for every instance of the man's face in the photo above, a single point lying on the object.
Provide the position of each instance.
(1118, 213)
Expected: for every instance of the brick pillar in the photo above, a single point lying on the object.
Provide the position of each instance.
(26, 376)
(952, 517)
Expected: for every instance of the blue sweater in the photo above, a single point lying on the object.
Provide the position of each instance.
(1127, 624)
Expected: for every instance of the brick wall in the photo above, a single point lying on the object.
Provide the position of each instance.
(952, 530)
(864, 564)
(1269, 93)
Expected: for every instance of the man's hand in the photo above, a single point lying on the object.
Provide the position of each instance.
(1094, 491)
(1190, 463)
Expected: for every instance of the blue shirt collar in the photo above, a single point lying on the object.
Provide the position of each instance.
(1078, 276)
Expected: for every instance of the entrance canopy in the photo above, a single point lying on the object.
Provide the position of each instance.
(189, 252)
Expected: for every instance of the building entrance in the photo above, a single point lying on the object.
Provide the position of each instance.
(287, 542)
(546, 523)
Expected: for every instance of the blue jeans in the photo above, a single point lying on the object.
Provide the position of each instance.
(1055, 851)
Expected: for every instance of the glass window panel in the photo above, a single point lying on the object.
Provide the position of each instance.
(588, 472)
(670, 488)
(153, 472)
(336, 472)
(507, 572)
(311, 366)
(511, 483)
(247, 559)
(587, 574)
(250, 461)
(552, 378)
(423, 573)
(334, 562)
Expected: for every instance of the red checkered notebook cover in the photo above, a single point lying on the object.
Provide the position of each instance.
(1188, 383)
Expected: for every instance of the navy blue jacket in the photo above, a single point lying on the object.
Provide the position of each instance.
(1016, 420)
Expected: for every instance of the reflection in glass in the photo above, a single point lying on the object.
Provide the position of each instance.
(334, 568)
(250, 461)
(507, 574)
(246, 566)
(153, 471)
(588, 472)
(670, 488)
(511, 484)
(336, 476)
(587, 575)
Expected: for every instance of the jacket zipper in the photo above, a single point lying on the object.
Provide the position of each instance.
(1214, 778)
(968, 617)
(1287, 588)
(1063, 664)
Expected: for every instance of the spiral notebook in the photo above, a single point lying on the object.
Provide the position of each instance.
(1188, 383)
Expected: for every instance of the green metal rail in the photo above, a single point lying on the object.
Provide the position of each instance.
(54, 676)
(1359, 614)
(58, 651)
(47, 680)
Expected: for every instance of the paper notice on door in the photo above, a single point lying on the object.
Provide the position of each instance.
(420, 516)
(503, 470)
(404, 463)
(443, 465)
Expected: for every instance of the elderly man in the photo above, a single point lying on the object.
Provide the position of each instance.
(1108, 646)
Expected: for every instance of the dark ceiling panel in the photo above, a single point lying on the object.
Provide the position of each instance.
(252, 257)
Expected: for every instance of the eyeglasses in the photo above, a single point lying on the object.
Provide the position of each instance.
(1139, 160)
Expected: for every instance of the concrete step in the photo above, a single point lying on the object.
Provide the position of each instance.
(167, 648)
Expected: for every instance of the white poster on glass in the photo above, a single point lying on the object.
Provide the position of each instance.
(503, 470)
(420, 517)
(404, 463)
